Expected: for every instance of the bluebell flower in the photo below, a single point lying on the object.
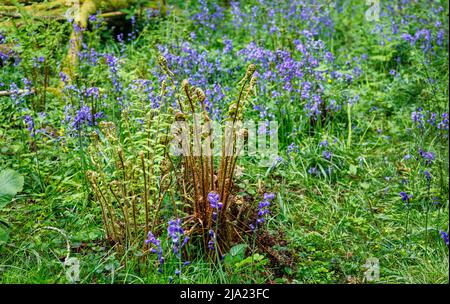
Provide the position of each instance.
(427, 175)
(427, 156)
(405, 197)
(444, 236)
(313, 171)
(443, 125)
(176, 233)
(263, 210)
(436, 201)
(323, 143)
(156, 249)
(29, 122)
(213, 199)
(83, 117)
(212, 239)
(292, 148)
(327, 155)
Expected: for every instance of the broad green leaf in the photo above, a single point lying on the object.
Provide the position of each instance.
(4, 234)
(254, 259)
(236, 254)
(11, 182)
(238, 250)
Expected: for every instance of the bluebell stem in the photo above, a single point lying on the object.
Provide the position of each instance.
(214, 203)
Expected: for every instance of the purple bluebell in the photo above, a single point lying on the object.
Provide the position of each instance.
(313, 171)
(29, 122)
(427, 156)
(156, 249)
(327, 155)
(292, 148)
(444, 236)
(212, 239)
(405, 197)
(323, 143)
(263, 210)
(176, 233)
(213, 199)
(84, 117)
(427, 175)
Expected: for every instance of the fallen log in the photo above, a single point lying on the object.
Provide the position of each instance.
(17, 92)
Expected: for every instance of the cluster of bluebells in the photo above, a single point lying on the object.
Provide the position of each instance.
(77, 118)
(313, 171)
(5, 54)
(148, 88)
(34, 124)
(178, 240)
(208, 17)
(422, 118)
(272, 17)
(38, 61)
(176, 234)
(199, 72)
(292, 72)
(428, 33)
(89, 57)
(18, 96)
(292, 148)
(81, 117)
(327, 154)
(427, 176)
(151, 13)
(214, 203)
(263, 210)
(295, 73)
(113, 64)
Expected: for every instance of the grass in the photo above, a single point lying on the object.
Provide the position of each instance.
(323, 225)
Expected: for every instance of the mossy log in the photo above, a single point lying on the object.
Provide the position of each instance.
(89, 7)
(57, 9)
